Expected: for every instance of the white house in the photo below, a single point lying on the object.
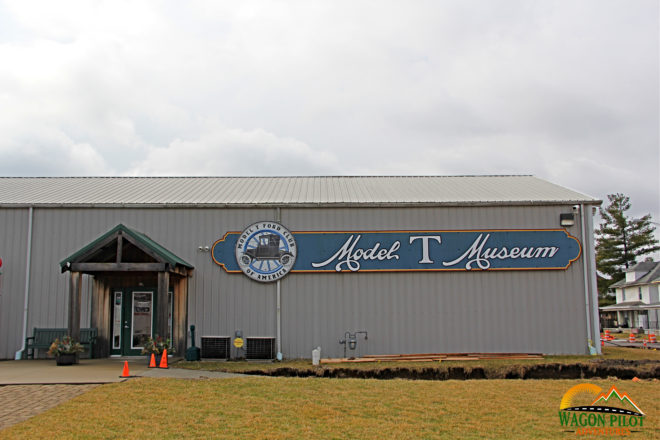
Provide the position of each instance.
(637, 301)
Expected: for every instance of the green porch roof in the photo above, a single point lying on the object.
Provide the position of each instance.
(164, 255)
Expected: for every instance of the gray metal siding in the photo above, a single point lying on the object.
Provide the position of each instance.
(521, 311)
(516, 311)
(13, 250)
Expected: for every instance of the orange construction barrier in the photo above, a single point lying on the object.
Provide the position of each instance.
(652, 338)
(152, 362)
(125, 372)
(163, 360)
(631, 338)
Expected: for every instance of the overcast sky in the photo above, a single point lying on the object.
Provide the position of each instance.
(565, 90)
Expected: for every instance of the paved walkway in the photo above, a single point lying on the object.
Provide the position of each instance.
(20, 402)
(90, 371)
(625, 343)
(30, 387)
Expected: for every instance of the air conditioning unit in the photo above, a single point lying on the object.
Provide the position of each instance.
(215, 347)
(260, 348)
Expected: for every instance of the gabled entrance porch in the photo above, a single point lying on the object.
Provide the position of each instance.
(140, 290)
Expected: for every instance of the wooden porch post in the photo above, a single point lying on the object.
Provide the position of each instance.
(161, 312)
(74, 305)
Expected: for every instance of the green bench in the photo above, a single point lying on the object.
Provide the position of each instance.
(42, 338)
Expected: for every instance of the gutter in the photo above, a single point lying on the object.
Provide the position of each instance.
(26, 303)
(319, 204)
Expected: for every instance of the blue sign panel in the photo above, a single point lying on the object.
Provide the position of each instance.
(394, 251)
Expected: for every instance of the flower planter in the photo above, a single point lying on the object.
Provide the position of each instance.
(66, 359)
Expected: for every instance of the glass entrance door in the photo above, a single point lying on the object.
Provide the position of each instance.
(134, 320)
(141, 327)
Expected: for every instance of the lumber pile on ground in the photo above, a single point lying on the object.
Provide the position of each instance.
(432, 357)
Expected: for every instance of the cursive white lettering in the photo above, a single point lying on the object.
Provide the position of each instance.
(349, 256)
(476, 254)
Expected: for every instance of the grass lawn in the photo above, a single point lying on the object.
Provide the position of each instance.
(279, 408)
(242, 366)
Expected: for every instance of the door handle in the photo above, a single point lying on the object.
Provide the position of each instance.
(126, 326)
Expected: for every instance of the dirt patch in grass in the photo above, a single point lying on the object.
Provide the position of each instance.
(622, 363)
(605, 369)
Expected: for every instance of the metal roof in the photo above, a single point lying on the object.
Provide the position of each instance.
(284, 191)
(650, 269)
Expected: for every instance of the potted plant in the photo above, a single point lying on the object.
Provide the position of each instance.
(65, 350)
(157, 346)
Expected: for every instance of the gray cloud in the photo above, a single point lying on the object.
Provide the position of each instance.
(567, 91)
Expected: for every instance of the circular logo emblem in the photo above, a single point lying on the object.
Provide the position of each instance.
(266, 251)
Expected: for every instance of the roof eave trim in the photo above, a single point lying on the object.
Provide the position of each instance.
(425, 204)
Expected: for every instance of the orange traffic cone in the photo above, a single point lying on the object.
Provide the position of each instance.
(152, 362)
(125, 372)
(631, 338)
(163, 360)
(652, 338)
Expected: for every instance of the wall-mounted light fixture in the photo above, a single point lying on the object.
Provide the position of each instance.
(566, 219)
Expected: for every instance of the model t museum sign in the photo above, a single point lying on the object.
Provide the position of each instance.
(267, 251)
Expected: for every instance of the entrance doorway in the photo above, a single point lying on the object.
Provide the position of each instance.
(134, 319)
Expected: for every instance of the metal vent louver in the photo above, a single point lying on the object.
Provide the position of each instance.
(260, 348)
(214, 347)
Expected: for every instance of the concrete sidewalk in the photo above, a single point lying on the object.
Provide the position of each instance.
(625, 343)
(90, 371)
(30, 387)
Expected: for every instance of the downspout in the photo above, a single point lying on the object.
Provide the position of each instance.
(592, 280)
(585, 276)
(279, 321)
(279, 305)
(26, 303)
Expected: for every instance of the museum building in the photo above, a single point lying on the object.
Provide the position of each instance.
(354, 265)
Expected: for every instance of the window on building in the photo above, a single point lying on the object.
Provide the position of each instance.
(639, 293)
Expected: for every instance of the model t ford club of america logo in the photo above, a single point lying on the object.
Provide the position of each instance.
(266, 251)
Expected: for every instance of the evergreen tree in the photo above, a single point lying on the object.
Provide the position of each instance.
(620, 240)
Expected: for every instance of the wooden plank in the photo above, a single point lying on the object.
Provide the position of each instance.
(423, 355)
(161, 310)
(433, 357)
(120, 247)
(75, 285)
(118, 267)
(406, 355)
